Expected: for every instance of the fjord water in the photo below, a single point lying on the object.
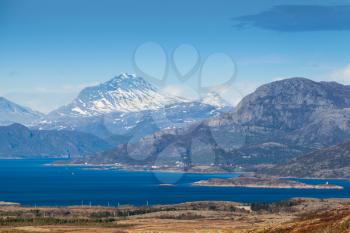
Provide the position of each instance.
(30, 182)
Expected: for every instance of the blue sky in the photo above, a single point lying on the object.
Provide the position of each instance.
(49, 50)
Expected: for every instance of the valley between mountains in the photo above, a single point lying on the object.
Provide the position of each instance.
(294, 127)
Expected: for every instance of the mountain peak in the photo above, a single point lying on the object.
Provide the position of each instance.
(123, 77)
(123, 93)
(127, 81)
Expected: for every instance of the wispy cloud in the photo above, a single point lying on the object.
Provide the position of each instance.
(296, 18)
(181, 90)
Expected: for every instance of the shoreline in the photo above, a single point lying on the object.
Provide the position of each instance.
(101, 167)
(182, 171)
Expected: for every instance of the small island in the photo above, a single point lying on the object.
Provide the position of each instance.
(262, 181)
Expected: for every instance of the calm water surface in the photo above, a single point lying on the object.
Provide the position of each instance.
(29, 182)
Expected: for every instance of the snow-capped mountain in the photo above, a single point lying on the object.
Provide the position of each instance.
(124, 104)
(124, 93)
(13, 113)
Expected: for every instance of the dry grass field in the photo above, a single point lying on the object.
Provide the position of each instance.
(292, 216)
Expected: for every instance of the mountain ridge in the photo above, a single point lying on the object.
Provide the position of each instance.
(11, 112)
(18, 141)
(277, 122)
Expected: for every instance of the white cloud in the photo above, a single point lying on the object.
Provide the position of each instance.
(341, 75)
(184, 91)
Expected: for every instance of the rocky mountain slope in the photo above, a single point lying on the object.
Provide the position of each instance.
(13, 113)
(18, 141)
(330, 162)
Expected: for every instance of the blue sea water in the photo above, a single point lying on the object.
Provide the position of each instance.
(30, 183)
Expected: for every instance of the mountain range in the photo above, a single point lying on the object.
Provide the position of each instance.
(132, 122)
(18, 141)
(124, 108)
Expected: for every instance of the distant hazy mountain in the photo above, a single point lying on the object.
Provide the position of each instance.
(126, 104)
(18, 141)
(330, 162)
(14, 113)
(273, 124)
